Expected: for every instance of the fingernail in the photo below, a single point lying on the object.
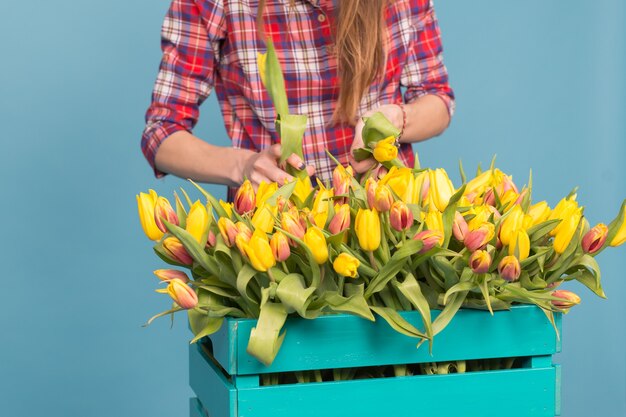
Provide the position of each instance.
(301, 166)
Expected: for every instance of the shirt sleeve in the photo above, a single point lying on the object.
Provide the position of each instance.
(190, 40)
(425, 72)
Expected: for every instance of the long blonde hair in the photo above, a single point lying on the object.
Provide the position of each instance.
(360, 44)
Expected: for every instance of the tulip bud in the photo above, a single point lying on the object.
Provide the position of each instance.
(264, 192)
(539, 213)
(620, 236)
(422, 187)
(478, 185)
(263, 218)
(400, 216)
(176, 251)
(321, 205)
(341, 220)
(145, 206)
(386, 150)
(241, 241)
(434, 220)
(342, 180)
(595, 238)
(211, 240)
(243, 229)
(170, 274)
(566, 230)
(245, 199)
(509, 268)
(566, 208)
(197, 221)
(303, 188)
(370, 190)
(259, 252)
(316, 242)
(569, 299)
(513, 222)
(181, 293)
(520, 245)
(228, 208)
(280, 247)
(290, 221)
(228, 230)
(459, 227)
(441, 189)
(383, 198)
(346, 265)
(480, 261)
(429, 238)
(163, 211)
(477, 239)
(367, 228)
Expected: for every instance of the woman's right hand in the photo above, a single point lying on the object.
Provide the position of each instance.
(264, 166)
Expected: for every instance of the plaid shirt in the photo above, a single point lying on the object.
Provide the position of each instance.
(214, 44)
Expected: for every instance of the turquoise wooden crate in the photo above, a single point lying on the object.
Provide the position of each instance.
(226, 380)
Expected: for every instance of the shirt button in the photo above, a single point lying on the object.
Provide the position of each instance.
(321, 18)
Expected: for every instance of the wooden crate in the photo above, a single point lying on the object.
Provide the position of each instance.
(226, 381)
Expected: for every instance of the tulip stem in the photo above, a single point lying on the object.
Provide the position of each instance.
(373, 260)
(271, 275)
(285, 267)
(340, 282)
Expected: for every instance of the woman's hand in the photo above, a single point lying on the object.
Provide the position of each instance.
(264, 166)
(393, 113)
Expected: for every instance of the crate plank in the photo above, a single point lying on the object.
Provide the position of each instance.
(214, 390)
(196, 409)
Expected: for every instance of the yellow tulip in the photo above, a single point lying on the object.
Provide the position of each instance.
(620, 237)
(342, 179)
(511, 224)
(303, 188)
(564, 209)
(321, 205)
(228, 230)
(477, 186)
(346, 265)
(566, 230)
(181, 293)
(367, 228)
(263, 218)
(259, 252)
(481, 213)
(145, 205)
(264, 192)
(316, 242)
(228, 208)
(441, 188)
(198, 221)
(434, 220)
(386, 150)
(538, 214)
(383, 199)
(402, 182)
(290, 221)
(520, 245)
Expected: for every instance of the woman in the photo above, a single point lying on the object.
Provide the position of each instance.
(342, 59)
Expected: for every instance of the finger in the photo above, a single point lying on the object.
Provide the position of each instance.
(296, 162)
(275, 150)
(277, 175)
(310, 169)
(362, 166)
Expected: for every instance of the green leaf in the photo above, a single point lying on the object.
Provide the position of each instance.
(395, 265)
(291, 128)
(180, 211)
(460, 287)
(274, 81)
(590, 275)
(194, 249)
(452, 306)
(202, 325)
(397, 322)
(361, 154)
(285, 191)
(540, 230)
(462, 172)
(211, 200)
(411, 289)
(483, 284)
(294, 295)
(445, 269)
(614, 227)
(376, 128)
(355, 304)
(448, 215)
(244, 277)
(266, 339)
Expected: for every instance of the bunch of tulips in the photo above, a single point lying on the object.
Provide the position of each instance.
(400, 240)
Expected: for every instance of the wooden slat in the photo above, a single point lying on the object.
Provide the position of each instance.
(216, 393)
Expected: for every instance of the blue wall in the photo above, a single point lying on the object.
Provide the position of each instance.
(540, 84)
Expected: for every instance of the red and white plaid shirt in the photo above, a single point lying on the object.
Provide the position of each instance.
(214, 44)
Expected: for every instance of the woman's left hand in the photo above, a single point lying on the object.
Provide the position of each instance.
(393, 112)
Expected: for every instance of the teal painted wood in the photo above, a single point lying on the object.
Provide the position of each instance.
(196, 409)
(340, 341)
(558, 390)
(214, 390)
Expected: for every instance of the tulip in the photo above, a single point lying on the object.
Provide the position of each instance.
(538, 214)
(341, 220)
(620, 237)
(176, 251)
(263, 218)
(290, 221)
(441, 188)
(566, 230)
(509, 268)
(342, 179)
(211, 239)
(513, 222)
(346, 265)
(259, 252)
(303, 188)
(367, 228)
(280, 247)
(402, 183)
(434, 220)
(477, 239)
(245, 199)
(264, 192)
(181, 293)
(429, 238)
(422, 188)
(386, 150)
(321, 205)
(145, 205)
(383, 198)
(400, 216)
(566, 208)
(163, 211)
(481, 213)
(460, 228)
(316, 242)
(243, 229)
(170, 274)
(520, 245)
(228, 208)
(370, 191)
(478, 185)
(228, 230)
(241, 240)
(569, 299)
(480, 261)
(197, 221)
(510, 199)
(594, 239)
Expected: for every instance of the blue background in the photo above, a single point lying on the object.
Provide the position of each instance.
(540, 84)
